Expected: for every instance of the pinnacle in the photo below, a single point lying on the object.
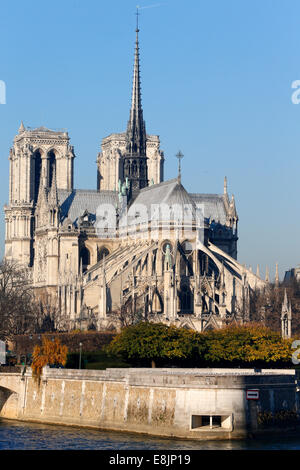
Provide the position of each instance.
(21, 128)
(53, 190)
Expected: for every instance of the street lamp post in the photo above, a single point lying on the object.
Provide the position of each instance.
(26, 351)
(80, 346)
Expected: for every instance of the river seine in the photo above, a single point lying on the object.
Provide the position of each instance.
(15, 435)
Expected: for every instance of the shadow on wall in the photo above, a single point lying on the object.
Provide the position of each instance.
(8, 403)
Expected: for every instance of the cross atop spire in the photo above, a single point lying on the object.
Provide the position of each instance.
(179, 155)
(137, 18)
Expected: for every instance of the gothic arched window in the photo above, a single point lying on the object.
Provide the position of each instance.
(37, 173)
(51, 166)
(186, 261)
(186, 299)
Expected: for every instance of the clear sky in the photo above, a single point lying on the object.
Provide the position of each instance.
(216, 82)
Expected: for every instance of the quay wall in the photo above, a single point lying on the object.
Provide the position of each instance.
(187, 403)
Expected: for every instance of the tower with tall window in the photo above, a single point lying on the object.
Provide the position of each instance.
(35, 157)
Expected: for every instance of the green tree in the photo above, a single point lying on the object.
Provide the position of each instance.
(246, 344)
(155, 342)
(234, 345)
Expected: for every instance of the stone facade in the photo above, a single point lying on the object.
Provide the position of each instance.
(120, 251)
(34, 156)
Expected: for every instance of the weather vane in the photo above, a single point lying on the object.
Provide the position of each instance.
(179, 155)
(137, 18)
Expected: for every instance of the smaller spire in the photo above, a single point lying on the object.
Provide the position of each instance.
(286, 317)
(232, 206)
(285, 299)
(267, 274)
(43, 193)
(53, 197)
(225, 185)
(257, 271)
(21, 128)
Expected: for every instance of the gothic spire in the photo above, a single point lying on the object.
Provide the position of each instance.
(43, 193)
(286, 317)
(267, 279)
(136, 131)
(285, 304)
(53, 197)
(21, 128)
(225, 185)
(257, 271)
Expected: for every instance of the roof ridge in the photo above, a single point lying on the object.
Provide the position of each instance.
(162, 183)
(207, 194)
(89, 190)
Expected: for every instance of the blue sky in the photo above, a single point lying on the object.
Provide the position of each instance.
(216, 83)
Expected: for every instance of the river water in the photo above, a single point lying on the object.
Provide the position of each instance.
(15, 435)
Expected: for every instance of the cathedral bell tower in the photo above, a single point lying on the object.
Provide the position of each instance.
(37, 157)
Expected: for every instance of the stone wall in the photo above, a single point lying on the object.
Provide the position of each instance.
(189, 403)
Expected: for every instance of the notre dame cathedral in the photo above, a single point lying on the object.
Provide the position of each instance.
(136, 245)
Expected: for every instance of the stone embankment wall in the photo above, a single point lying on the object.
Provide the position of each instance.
(189, 403)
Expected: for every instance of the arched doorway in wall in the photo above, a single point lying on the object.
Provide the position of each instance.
(51, 166)
(37, 163)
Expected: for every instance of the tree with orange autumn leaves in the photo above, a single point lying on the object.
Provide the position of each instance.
(50, 353)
